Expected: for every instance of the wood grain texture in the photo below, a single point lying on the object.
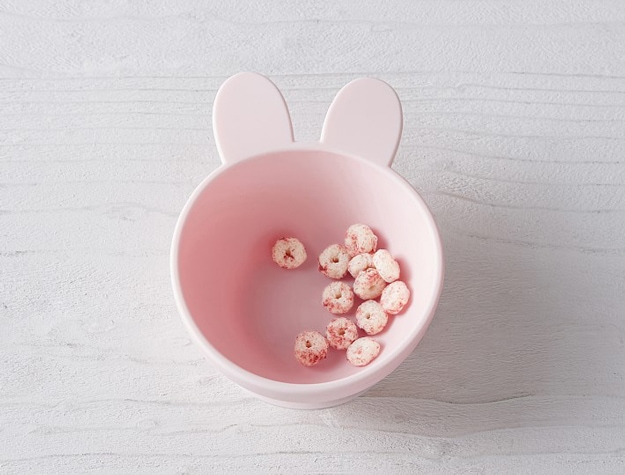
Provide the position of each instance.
(514, 134)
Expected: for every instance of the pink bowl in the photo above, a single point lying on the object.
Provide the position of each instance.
(244, 310)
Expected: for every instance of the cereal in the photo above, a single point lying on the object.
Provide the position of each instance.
(376, 276)
(371, 317)
(359, 239)
(387, 267)
(394, 297)
(288, 253)
(338, 298)
(359, 263)
(341, 332)
(333, 261)
(369, 284)
(310, 348)
(363, 351)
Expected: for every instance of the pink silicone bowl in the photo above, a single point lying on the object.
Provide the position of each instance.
(239, 306)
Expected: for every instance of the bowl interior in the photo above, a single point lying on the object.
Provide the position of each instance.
(248, 308)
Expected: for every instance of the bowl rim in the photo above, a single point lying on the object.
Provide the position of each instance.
(281, 390)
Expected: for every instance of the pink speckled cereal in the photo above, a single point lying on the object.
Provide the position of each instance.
(359, 263)
(333, 261)
(363, 351)
(394, 297)
(288, 253)
(338, 298)
(310, 348)
(386, 265)
(341, 332)
(371, 317)
(369, 284)
(359, 239)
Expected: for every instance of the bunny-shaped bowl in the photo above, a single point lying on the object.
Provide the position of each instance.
(244, 310)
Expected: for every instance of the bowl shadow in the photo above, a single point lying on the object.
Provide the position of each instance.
(491, 343)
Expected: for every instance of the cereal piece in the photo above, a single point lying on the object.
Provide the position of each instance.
(394, 297)
(363, 351)
(369, 284)
(341, 332)
(338, 298)
(359, 239)
(371, 317)
(359, 263)
(387, 267)
(310, 348)
(288, 253)
(333, 261)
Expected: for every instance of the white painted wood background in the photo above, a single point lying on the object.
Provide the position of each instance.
(514, 134)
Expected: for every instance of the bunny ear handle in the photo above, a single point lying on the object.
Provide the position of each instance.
(250, 117)
(365, 119)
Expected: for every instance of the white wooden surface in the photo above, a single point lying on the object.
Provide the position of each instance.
(514, 134)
